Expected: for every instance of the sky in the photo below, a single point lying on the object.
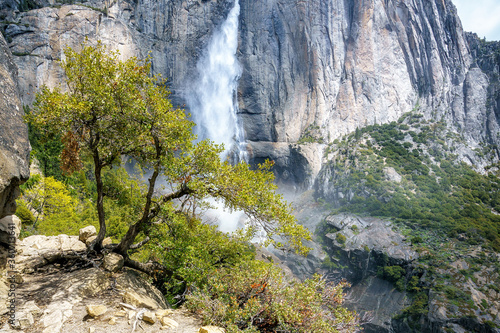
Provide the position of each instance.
(481, 17)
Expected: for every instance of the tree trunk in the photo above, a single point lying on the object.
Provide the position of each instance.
(134, 230)
(128, 239)
(97, 243)
(148, 215)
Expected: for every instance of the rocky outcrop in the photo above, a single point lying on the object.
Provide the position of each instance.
(14, 145)
(56, 293)
(397, 286)
(357, 247)
(38, 251)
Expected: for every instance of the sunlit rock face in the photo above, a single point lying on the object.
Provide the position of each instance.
(322, 68)
(172, 33)
(14, 145)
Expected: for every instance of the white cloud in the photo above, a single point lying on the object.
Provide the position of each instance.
(480, 16)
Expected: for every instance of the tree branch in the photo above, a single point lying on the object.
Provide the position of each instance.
(151, 268)
(140, 244)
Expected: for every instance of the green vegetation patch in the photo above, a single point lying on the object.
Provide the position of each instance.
(435, 190)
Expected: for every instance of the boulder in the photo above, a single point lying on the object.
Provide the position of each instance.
(70, 244)
(107, 241)
(120, 313)
(7, 225)
(163, 313)
(90, 240)
(96, 310)
(38, 250)
(211, 329)
(140, 301)
(87, 232)
(112, 262)
(165, 321)
(149, 317)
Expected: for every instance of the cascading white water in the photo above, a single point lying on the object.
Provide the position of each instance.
(212, 99)
(212, 103)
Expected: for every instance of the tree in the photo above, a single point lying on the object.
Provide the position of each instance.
(113, 108)
(49, 198)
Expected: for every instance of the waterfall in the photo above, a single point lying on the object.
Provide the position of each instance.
(212, 102)
(212, 99)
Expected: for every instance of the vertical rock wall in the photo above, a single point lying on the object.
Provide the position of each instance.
(321, 68)
(171, 32)
(14, 145)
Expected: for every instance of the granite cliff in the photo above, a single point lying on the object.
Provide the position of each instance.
(313, 71)
(14, 145)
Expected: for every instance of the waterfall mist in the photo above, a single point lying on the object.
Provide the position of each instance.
(212, 98)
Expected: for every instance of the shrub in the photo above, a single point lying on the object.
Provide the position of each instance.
(394, 274)
(340, 238)
(257, 297)
(24, 214)
(419, 305)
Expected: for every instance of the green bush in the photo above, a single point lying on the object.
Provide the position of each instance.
(24, 214)
(340, 238)
(394, 274)
(418, 307)
(329, 264)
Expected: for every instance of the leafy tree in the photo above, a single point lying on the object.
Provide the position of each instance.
(48, 198)
(47, 151)
(112, 108)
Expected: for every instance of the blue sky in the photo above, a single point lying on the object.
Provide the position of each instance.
(480, 16)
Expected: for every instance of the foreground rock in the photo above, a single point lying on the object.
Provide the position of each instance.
(86, 233)
(96, 310)
(38, 251)
(57, 294)
(112, 262)
(9, 224)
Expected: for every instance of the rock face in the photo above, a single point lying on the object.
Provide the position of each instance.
(173, 31)
(14, 145)
(312, 70)
(323, 68)
(365, 245)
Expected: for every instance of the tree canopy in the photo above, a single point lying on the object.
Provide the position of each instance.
(112, 110)
(109, 109)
